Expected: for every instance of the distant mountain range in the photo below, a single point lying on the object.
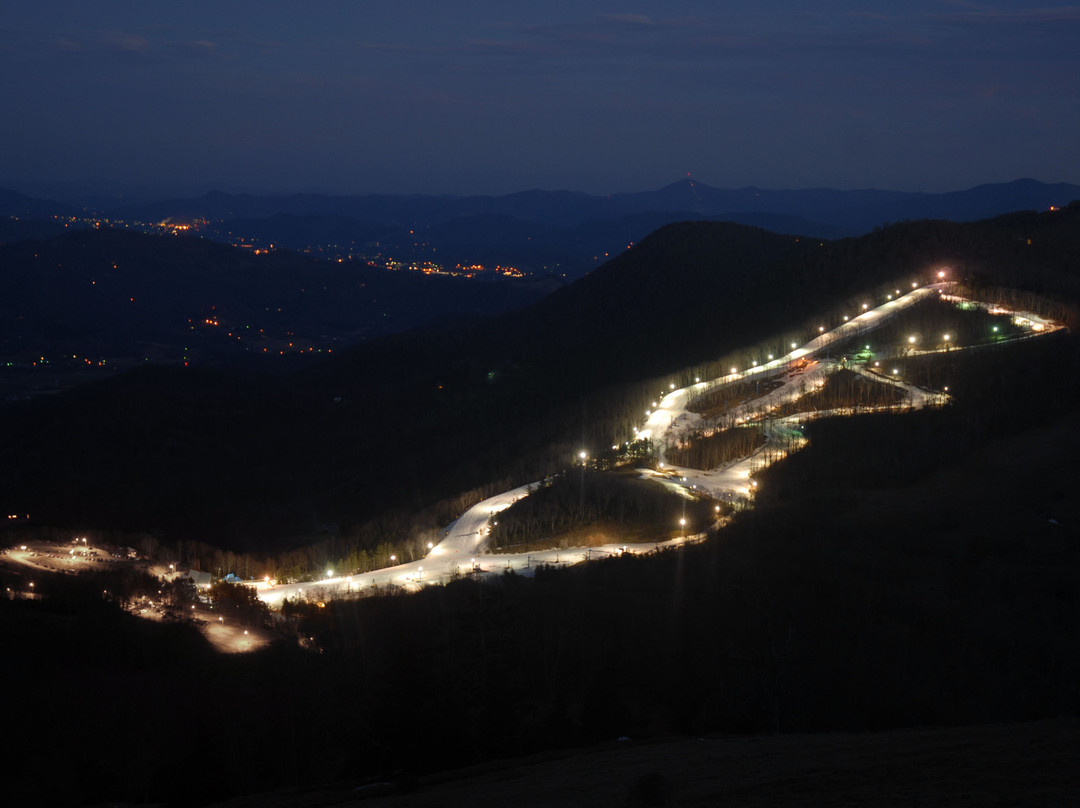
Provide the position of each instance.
(559, 232)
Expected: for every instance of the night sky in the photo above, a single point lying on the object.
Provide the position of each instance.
(495, 97)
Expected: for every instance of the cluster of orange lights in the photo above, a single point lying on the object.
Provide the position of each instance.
(292, 347)
(309, 349)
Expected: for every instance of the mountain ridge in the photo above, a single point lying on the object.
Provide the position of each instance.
(458, 405)
(830, 206)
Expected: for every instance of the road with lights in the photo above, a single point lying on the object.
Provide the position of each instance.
(463, 551)
(460, 554)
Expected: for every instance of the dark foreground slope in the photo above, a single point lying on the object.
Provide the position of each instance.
(944, 597)
(413, 418)
(996, 765)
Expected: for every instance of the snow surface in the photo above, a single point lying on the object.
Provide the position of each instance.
(464, 550)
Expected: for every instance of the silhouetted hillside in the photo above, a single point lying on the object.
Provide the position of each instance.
(904, 570)
(559, 232)
(948, 600)
(407, 420)
(22, 206)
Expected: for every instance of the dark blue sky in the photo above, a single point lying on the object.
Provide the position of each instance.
(495, 97)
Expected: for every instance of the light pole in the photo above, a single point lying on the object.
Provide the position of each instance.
(583, 457)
